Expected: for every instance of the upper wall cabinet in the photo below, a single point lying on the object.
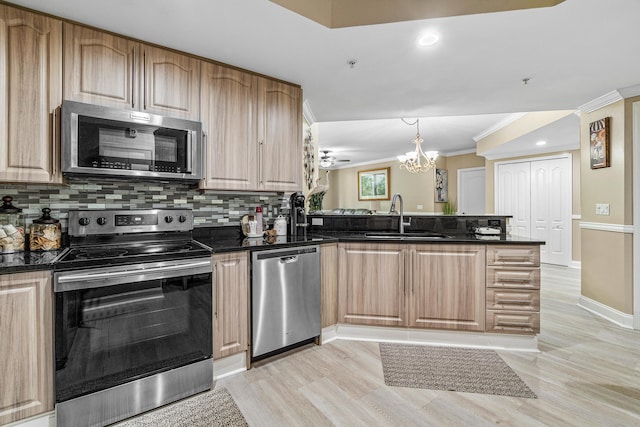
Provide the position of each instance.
(254, 131)
(30, 92)
(279, 136)
(116, 72)
(229, 119)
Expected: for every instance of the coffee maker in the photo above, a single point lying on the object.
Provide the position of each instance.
(297, 215)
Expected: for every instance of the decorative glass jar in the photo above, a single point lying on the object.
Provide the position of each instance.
(11, 227)
(45, 233)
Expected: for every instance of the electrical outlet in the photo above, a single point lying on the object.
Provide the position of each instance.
(420, 207)
(602, 208)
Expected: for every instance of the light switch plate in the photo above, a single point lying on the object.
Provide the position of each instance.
(602, 208)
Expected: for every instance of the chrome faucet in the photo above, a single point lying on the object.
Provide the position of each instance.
(393, 210)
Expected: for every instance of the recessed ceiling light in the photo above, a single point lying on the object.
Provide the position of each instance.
(427, 40)
(541, 143)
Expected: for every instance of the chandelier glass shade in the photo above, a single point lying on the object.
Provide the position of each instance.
(418, 161)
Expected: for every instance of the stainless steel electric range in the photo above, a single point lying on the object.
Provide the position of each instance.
(133, 319)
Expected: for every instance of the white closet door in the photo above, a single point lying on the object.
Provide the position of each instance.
(514, 196)
(471, 191)
(559, 213)
(540, 205)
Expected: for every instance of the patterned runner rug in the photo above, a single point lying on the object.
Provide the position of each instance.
(214, 408)
(450, 368)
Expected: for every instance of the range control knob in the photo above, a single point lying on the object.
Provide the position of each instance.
(168, 219)
(182, 218)
(84, 221)
(102, 220)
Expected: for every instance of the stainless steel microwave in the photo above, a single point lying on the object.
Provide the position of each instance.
(100, 141)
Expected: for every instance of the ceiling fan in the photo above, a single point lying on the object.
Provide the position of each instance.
(327, 161)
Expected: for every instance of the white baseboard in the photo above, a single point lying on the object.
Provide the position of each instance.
(576, 265)
(611, 314)
(229, 365)
(43, 420)
(432, 337)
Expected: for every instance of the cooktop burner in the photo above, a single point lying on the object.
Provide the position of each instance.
(99, 253)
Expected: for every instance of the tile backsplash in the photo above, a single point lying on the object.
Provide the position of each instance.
(210, 209)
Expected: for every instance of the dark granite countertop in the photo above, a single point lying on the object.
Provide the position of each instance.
(19, 262)
(345, 236)
(231, 239)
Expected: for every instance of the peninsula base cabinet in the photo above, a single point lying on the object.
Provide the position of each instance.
(463, 287)
(371, 284)
(26, 345)
(329, 284)
(513, 289)
(447, 287)
(230, 303)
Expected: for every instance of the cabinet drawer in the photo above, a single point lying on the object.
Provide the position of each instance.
(514, 255)
(516, 278)
(513, 299)
(513, 322)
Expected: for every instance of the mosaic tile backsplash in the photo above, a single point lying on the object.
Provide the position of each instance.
(210, 209)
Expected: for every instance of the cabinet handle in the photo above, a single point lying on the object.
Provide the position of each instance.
(215, 268)
(54, 148)
(144, 80)
(260, 156)
(133, 77)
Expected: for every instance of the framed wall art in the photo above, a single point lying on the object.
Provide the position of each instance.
(442, 185)
(373, 184)
(599, 143)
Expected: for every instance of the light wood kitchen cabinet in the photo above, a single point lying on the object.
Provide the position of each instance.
(371, 284)
(279, 136)
(30, 93)
(254, 131)
(329, 283)
(230, 303)
(26, 334)
(229, 109)
(447, 287)
(113, 71)
(513, 289)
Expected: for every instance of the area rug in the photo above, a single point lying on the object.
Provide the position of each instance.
(450, 368)
(214, 408)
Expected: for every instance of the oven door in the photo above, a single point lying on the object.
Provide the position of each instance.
(118, 324)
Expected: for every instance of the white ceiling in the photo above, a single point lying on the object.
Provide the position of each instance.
(572, 53)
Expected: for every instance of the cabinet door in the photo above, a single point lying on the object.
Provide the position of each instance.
(447, 287)
(26, 388)
(99, 68)
(30, 92)
(329, 283)
(171, 83)
(230, 304)
(371, 284)
(279, 136)
(228, 106)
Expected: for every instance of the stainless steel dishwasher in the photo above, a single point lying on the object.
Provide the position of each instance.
(285, 298)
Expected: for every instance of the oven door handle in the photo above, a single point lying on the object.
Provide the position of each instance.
(86, 280)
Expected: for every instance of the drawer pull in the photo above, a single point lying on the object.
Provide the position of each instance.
(513, 301)
(515, 324)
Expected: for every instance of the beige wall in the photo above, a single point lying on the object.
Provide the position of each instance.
(416, 189)
(607, 263)
(454, 164)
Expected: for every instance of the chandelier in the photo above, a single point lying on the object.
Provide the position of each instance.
(418, 161)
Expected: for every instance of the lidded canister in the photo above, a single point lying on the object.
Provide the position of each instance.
(45, 233)
(11, 227)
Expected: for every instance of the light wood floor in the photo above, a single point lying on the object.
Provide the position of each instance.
(587, 373)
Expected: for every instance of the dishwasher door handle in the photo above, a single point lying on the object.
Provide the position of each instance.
(288, 259)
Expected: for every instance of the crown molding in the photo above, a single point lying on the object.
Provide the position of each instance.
(533, 151)
(459, 153)
(601, 102)
(630, 91)
(496, 127)
(307, 113)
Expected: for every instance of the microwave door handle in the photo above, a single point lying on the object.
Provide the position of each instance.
(189, 152)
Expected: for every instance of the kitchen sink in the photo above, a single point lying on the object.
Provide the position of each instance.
(407, 236)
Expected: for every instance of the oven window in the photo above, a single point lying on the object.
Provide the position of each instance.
(113, 335)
